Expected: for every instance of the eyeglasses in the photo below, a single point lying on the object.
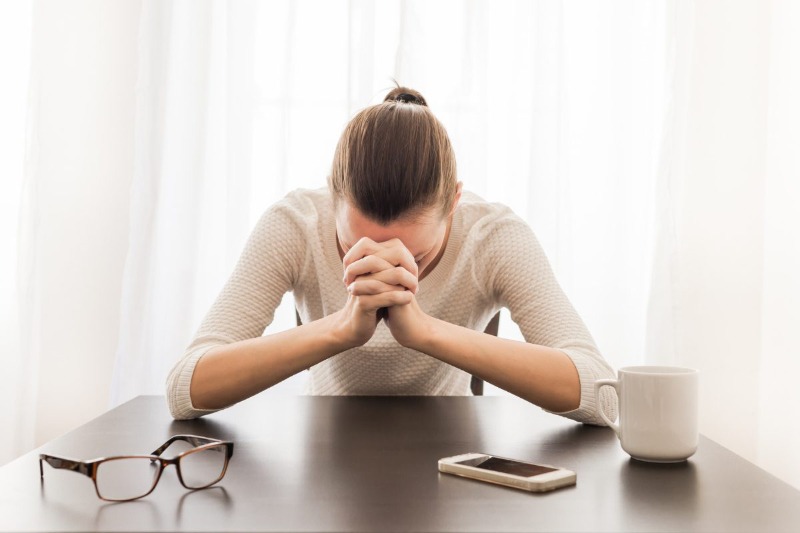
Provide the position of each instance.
(130, 477)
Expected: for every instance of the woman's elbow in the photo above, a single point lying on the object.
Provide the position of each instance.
(179, 400)
(182, 408)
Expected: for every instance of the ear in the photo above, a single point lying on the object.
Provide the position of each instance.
(459, 187)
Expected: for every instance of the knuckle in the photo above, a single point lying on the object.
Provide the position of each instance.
(400, 297)
(362, 262)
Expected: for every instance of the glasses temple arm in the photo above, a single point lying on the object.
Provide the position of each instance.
(194, 440)
(67, 464)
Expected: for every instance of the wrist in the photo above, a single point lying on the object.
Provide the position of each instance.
(424, 334)
(340, 333)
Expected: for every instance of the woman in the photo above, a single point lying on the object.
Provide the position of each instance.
(395, 273)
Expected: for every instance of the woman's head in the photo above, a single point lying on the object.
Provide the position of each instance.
(394, 161)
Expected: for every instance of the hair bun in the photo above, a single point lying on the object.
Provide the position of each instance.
(405, 95)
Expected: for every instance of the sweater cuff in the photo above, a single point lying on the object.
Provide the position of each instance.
(588, 410)
(178, 388)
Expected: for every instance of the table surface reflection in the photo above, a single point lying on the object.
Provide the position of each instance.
(370, 464)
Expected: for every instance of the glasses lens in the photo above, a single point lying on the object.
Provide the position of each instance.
(126, 478)
(203, 467)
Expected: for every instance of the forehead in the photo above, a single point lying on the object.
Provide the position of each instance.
(419, 233)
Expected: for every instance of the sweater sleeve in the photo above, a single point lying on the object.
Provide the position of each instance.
(522, 281)
(267, 268)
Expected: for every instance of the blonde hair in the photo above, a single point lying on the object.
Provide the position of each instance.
(394, 160)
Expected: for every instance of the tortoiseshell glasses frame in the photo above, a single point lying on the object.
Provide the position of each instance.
(91, 468)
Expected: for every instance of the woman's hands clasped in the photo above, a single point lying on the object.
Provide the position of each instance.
(381, 279)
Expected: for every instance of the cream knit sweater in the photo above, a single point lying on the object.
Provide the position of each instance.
(492, 260)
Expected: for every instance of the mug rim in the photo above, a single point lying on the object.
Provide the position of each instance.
(658, 370)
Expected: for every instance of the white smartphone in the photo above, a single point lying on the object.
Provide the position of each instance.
(508, 472)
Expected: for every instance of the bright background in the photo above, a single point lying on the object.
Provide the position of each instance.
(651, 145)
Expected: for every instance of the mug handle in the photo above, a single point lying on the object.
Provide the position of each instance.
(599, 384)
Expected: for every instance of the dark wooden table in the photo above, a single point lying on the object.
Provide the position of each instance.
(370, 464)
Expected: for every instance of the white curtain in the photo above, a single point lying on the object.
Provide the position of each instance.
(649, 145)
(778, 431)
(66, 153)
(189, 217)
(17, 386)
(539, 100)
(725, 296)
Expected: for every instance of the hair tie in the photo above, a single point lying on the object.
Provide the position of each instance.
(407, 98)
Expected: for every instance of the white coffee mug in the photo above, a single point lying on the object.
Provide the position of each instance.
(657, 412)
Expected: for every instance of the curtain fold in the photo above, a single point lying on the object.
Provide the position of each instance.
(661, 341)
(777, 433)
(192, 178)
(17, 106)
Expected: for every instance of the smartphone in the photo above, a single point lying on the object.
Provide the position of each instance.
(508, 472)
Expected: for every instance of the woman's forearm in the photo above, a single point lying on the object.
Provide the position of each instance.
(230, 373)
(542, 375)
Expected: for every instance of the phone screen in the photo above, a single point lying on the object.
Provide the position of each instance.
(508, 466)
